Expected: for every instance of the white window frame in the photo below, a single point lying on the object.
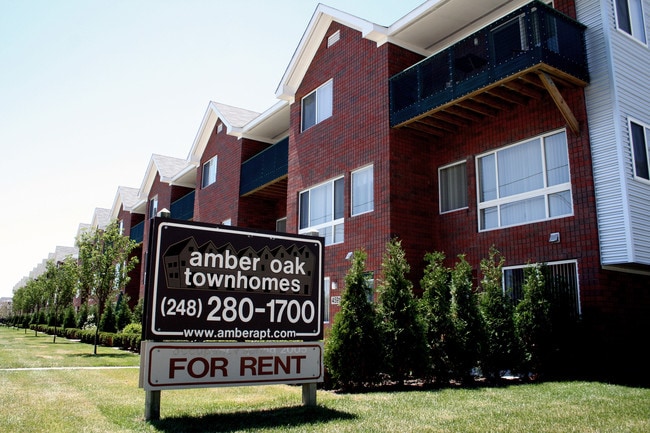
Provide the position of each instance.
(634, 13)
(281, 225)
(327, 295)
(333, 229)
(153, 207)
(546, 191)
(209, 172)
(368, 191)
(549, 264)
(323, 104)
(442, 193)
(634, 150)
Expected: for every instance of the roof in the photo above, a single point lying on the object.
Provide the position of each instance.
(233, 118)
(125, 197)
(101, 218)
(425, 30)
(174, 171)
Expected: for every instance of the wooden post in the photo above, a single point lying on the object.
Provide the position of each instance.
(309, 394)
(152, 405)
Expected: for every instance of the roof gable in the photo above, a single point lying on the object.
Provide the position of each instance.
(170, 170)
(311, 39)
(233, 118)
(126, 198)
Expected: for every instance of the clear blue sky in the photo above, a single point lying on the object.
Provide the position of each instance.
(90, 89)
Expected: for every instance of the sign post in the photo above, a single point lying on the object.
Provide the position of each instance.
(259, 291)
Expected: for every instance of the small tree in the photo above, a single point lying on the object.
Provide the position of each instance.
(354, 344)
(122, 312)
(82, 316)
(435, 310)
(69, 319)
(467, 339)
(533, 322)
(497, 311)
(402, 328)
(105, 262)
(107, 322)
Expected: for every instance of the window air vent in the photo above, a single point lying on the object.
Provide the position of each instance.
(334, 38)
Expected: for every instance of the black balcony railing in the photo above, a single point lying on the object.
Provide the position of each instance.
(533, 35)
(137, 232)
(183, 208)
(267, 166)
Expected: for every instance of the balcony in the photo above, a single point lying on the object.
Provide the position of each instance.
(265, 173)
(531, 52)
(183, 208)
(137, 232)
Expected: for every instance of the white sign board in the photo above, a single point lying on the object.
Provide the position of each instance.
(200, 365)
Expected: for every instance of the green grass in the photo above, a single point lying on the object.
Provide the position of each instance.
(109, 400)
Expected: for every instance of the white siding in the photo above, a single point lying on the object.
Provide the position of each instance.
(619, 89)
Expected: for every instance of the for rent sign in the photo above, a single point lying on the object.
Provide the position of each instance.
(212, 282)
(195, 365)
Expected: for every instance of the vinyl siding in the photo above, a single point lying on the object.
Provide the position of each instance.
(618, 90)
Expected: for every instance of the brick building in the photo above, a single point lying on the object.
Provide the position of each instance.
(463, 125)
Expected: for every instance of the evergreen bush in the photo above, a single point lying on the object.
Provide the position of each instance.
(353, 346)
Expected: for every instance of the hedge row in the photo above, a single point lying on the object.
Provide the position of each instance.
(109, 339)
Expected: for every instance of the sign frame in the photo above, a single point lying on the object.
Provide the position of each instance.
(247, 310)
(184, 365)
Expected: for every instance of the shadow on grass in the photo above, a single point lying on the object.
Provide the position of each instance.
(116, 355)
(244, 421)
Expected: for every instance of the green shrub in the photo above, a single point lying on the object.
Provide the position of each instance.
(353, 348)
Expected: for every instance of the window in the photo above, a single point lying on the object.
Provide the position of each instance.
(153, 207)
(510, 39)
(640, 150)
(326, 299)
(321, 209)
(524, 183)
(370, 284)
(362, 191)
(629, 18)
(281, 225)
(452, 181)
(317, 106)
(209, 175)
(561, 280)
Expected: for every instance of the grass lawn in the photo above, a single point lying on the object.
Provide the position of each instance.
(82, 399)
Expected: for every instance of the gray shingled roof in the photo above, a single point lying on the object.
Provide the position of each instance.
(169, 166)
(128, 195)
(236, 117)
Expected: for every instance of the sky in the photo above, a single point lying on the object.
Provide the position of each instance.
(90, 89)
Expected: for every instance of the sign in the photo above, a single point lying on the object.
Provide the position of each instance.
(198, 365)
(213, 282)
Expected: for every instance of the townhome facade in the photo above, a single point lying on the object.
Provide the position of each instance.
(477, 134)
(464, 126)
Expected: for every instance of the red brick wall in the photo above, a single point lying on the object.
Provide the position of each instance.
(219, 201)
(356, 135)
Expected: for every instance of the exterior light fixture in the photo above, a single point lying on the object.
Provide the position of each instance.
(554, 238)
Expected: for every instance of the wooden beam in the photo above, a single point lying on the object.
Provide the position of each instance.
(560, 102)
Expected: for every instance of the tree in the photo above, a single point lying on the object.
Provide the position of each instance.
(467, 339)
(104, 262)
(402, 328)
(354, 344)
(61, 283)
(533, 322)
(107, 323)
(122, 312)
(497, 310)
(435, 308)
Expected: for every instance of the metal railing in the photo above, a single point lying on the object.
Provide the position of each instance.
(270, 164)
(529, 36)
